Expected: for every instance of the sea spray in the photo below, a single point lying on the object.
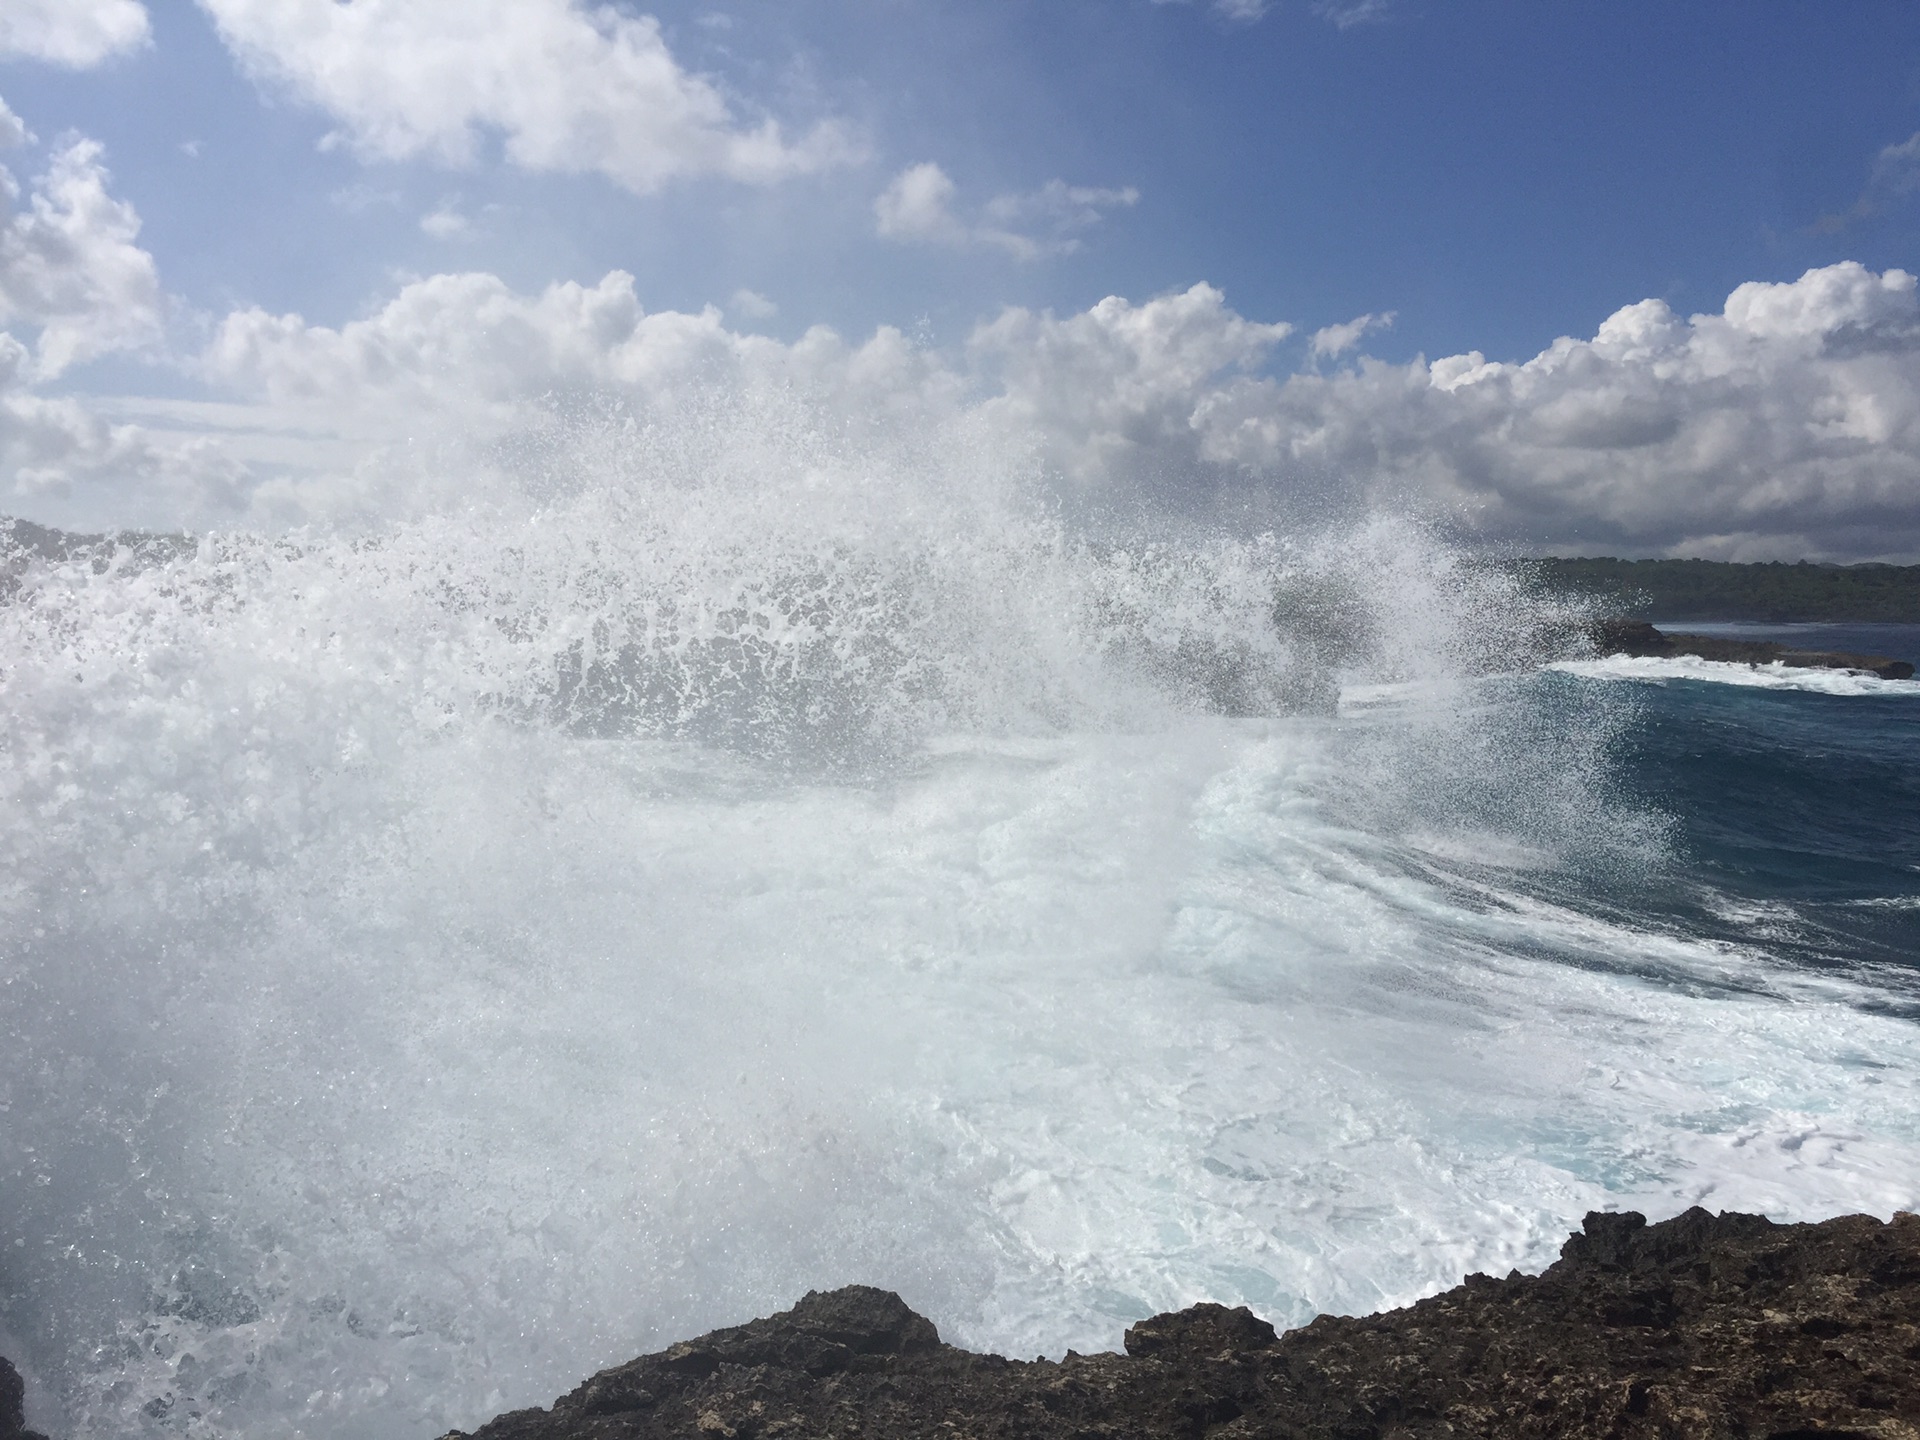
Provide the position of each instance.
(445, 957)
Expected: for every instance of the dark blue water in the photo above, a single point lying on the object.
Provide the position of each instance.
(1794, 815)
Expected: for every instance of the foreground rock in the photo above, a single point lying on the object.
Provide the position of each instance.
(1636, 637)
(13, 1419)
(1703, 1326)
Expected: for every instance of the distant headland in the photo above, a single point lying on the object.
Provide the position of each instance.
(1723, 590)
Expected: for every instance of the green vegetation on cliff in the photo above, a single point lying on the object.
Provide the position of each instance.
(1720, 590)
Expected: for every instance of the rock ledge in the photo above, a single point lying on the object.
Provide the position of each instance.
(1703, 1326)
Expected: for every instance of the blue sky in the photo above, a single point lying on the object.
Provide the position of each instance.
(1492, 176)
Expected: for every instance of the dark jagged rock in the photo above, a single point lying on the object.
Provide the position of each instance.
(1637, 637)
(1707, 1327)
(13, 1415)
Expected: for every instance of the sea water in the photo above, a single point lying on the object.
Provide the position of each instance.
(447, 957)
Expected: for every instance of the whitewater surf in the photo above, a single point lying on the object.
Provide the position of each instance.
(443, 959)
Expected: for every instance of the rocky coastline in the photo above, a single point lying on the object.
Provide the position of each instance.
(1703, 1326)
(1638, 638)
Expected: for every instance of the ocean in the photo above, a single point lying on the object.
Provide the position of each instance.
(449, 957)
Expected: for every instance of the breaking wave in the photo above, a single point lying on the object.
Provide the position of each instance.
(445, 958)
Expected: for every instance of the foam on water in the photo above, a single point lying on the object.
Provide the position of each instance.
(1764, 677)
(443, 961)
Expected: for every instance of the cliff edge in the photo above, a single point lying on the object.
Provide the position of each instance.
(1703, 1326)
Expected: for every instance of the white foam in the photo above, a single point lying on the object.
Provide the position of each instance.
(1774, 676)
(400, 1028)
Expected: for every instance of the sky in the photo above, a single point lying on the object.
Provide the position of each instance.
(1607, 279)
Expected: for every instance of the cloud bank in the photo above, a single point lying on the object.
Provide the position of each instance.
(1786, 424)
(566, 88)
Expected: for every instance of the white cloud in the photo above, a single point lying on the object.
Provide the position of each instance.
(447, 222)
(459, 363)
(468, 346)
(77, 34)
(1047, 221)
(568, 88)
(1335, 340)
(69, 265)
(1897, 167)
(1895, 173)
(67, 466)
(1115, 388)
(13, 130)
(752, 305)
(918, 206)
(1786, 424)
(1241, 10)
(1345, 14)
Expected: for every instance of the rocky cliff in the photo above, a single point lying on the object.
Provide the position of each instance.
(1703, 1326)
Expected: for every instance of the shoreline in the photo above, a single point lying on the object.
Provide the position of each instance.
(1640, 640)
(1703, 1325)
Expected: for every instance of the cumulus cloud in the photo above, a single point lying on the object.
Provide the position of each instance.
(465, 361)
(918, 206)
(471, 348)
(1110, 392)
(71, 271)
(1785, 424)
(70, 267)
(567, 88)
(1332, 341)
(1116, 388)
(77, 34)
(1788, 423)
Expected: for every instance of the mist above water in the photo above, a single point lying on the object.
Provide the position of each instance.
(448, 956)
